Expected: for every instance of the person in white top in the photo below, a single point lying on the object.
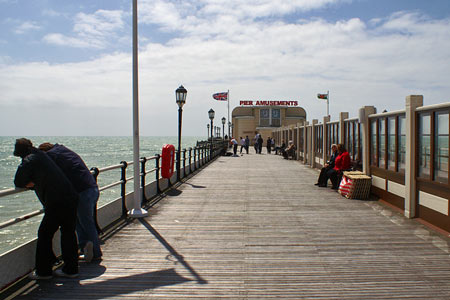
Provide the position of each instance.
(242, 144)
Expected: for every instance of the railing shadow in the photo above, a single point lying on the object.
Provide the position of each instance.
(67, 288)
(173, 252)
(196, 186)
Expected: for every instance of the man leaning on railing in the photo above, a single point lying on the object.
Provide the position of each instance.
(59, 198)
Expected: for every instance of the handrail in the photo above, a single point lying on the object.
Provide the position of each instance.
(12, 191)
(123, 181)
(21, 218)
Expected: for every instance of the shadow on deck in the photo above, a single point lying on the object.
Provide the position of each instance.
(255, 227)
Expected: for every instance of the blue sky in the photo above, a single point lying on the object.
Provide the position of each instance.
(65, 67)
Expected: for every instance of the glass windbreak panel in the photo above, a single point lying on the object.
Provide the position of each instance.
(337, 133)
(424, 145)
(382, 143)
(350, 140)
(441, 147)
(357, 142)
(264, 117)
(300, 143)
(373, 142)
(276, 119)
(401, 143)
(391, 143)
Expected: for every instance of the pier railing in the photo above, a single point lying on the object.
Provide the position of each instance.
(406, 152)
(191, 159)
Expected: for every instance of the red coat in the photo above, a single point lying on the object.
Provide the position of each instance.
(342, 162)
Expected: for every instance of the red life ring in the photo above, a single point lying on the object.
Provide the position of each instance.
(167, 161)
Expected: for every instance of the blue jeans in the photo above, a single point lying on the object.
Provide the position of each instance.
(86, 229)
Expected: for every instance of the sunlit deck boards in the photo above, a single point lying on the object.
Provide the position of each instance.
(255, 227)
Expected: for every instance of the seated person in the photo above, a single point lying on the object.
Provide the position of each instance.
(323, 179)
(341, 164)
(289, 151)
(281, 148)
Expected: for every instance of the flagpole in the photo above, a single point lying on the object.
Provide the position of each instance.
(328, 103)
(137, 211)
(228, 100)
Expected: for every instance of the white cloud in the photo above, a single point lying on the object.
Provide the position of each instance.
(27, 27)
(377, 63)
(98, 30)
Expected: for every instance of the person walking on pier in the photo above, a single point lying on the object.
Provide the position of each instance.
(323, 179)
(60, 199)
(235, 146)
(242, 141)
(260, 143)
(78, 173)
(269, 145)
(247, 143)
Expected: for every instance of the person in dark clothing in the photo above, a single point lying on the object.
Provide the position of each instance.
(323, 179)
(260, 143)
(84, 183)
(59, 199)
(281, 148)
(341, 163)
(247, 143)
(269, 145)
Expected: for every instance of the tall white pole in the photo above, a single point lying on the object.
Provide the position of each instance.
(328, 103)
(137, 211)
(228, 100)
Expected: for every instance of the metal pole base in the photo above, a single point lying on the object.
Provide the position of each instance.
(137, 213)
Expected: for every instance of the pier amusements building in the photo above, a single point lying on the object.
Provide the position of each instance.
(262, 116)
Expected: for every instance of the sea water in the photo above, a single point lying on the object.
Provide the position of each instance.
(97, 152)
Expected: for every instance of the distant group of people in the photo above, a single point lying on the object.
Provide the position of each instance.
(69, 194)
(334, 168)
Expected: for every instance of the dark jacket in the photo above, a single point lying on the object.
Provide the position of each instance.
(73, 167)
(52, 187)
(332, 159)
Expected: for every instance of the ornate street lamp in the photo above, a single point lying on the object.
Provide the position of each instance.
(180, 95)
(223, 127)
(211, 114)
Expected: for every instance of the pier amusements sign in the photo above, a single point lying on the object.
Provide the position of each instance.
(267, 103)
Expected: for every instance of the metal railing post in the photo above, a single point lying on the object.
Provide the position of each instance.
(190, 160)
(158, 189)
(123, 179)
(184, 163)
(96, 172)
(143, 161)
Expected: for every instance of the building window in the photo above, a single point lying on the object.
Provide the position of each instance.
(269, 117)
(276, 117)
(264, 117)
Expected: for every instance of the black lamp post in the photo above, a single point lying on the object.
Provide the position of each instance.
(211, 114)
(223, 127)
(180, 95)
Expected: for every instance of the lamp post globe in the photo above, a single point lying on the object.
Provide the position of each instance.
(223, 127)
(180, 97)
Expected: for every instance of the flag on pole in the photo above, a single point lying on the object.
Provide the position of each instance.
(221, 96)
(322, 96)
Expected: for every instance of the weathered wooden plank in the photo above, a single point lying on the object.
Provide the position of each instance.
(255, 227)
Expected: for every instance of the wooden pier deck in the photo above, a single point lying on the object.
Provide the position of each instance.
(255, 227)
